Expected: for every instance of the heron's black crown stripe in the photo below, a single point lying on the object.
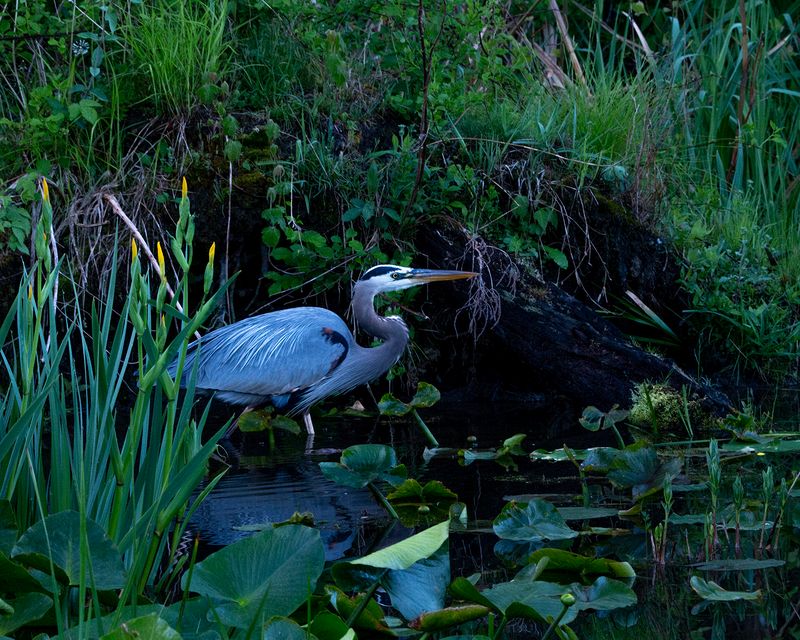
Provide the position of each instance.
(378, 271)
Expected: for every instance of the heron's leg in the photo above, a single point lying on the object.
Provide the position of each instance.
(308, 423)
(235, 423)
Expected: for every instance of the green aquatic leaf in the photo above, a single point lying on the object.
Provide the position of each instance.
(532, 522)
(530, 599)
(586, 513)
(327, 626)
(268, 574)
(709, 590)
(364, 463)
(738, 564)
(568, 562)
(414, 572)
(639, 468)
(371, 616)
(151, 627)
(58, 537)
(422, 586)
(391, 406)
(14, 578)
(281, 628)
(26, 609)
(416, 503)
(599, 459)
(450, 617)
(405, 553)
(8, 527)
(426, 396)
(603, 594)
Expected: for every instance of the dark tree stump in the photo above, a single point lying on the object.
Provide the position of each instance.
(552, 341)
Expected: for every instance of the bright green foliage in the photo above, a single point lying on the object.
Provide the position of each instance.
(106, 509)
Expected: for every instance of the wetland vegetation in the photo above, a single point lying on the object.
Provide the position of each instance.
(167, 167)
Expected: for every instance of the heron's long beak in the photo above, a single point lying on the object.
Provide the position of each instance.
(434, 275)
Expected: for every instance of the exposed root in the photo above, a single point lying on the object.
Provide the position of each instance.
(497, 270)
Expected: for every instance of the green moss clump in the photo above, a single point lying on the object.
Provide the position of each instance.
(661, 411)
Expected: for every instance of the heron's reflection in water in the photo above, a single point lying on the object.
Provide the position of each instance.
(260, 490)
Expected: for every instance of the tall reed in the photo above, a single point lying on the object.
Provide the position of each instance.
(69, 437)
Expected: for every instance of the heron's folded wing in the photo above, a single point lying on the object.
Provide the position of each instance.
(272, 354)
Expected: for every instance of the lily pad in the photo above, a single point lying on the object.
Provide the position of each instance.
(739, 564)
(594, 419)
(364, 463)
(414, 571)
(603, 594)
(58, 537)
(14, 578)
(709, 590)
(283, 629)
(639, 468)
(151, 627)
(586, 513)
(426, 396)
(327, 626)
(414, 502)
(25, 609)
(371, 617)
(269, 574)
(532, 522)
(391, 406)
(568, 562)
(405, 553)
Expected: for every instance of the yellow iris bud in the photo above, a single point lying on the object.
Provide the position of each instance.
(161, 262)
(211, 251)
(45, 190)
(183, 188)
(134, 250)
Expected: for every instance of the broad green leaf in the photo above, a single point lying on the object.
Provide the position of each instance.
(405, 553)
(738, 564)
(327, 626)
(14, 578)
(603, 594)
(586, 513)
(253, 421)
(364, 463)
(426, 396)
(269, 574)
(463, 589)
(151, 627)
(532, 522)
(568, 562)
(422, 586)
(539, 599)
(8, 527)
(415, 503)
(371, 617)
(599, 459)
(449, 617)
(62, 543)
(712, 591)
(284, 629)
(27, 608)
(639, 468)
(391, 406)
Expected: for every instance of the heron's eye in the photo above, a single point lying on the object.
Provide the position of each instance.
(395, 275)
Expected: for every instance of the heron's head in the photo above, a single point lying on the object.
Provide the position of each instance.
(390, 277)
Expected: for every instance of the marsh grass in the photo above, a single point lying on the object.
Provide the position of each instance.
(68, 438)
(179, 47)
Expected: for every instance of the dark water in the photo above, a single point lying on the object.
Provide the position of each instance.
(268, 483)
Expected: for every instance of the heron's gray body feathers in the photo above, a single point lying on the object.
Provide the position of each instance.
(297, 357)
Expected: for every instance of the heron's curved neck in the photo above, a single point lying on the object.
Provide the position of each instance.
(392, 331)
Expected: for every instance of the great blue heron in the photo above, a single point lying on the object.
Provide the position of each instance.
(295, 358)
